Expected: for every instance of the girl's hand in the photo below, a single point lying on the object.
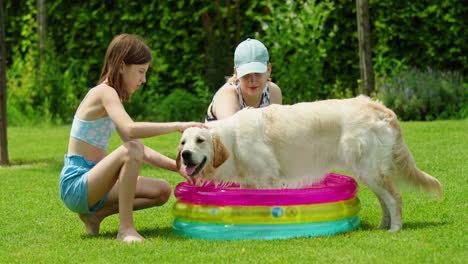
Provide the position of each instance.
(184, 125)
(189, 179)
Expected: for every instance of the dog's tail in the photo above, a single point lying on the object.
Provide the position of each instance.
(407, 171)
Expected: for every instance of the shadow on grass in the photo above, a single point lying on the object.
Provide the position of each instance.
(30, 163)
(422, 225)
(161, 232)
(406, 225)
(166, 233)
(366, 226)
(106, 235)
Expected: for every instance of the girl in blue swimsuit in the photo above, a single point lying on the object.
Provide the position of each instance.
(95, 184)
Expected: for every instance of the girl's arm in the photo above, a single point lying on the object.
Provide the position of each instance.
(226, 102)
(275, 94)
(128, 129)
(156, 159)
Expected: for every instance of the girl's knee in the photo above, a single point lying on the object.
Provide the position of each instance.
(164, 193)
(134, 149)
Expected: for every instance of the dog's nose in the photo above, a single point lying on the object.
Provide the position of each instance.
(187, 155)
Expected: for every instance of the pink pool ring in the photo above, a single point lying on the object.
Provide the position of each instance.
(333, 188)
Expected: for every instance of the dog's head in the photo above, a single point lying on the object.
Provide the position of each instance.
(200, 150)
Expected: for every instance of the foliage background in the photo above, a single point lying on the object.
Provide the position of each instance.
(313, 48)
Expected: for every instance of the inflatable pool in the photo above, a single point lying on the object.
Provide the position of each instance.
(231, 213)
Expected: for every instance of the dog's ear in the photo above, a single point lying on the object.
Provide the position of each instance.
(179, 150)
(220, 153)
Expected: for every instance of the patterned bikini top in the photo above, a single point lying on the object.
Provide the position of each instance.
(95, 132)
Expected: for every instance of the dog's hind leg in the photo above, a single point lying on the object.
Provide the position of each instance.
(390, 201)
(385, 222)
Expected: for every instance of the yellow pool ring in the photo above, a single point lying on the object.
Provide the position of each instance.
(267, 214)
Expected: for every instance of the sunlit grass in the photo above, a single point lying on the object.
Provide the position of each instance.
(35, 227)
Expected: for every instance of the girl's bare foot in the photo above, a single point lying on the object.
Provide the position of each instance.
(130, 235)
(92, 223)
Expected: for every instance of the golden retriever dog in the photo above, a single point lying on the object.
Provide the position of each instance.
(287, 146)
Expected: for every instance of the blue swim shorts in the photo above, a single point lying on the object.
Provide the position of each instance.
(74, 185)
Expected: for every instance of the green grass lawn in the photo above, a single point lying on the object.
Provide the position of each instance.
(35, 227)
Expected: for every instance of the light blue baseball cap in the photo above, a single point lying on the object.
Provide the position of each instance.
(251, 56)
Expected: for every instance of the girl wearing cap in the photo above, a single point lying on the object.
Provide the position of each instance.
(250, 86)
(95, 184)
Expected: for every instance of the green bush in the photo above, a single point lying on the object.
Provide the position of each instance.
(313, 47)
(180, 105)
(149, 105)
(47, 94)
(425, 95)
(297, 41)
(419, 34)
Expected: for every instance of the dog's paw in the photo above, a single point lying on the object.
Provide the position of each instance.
(394, 228)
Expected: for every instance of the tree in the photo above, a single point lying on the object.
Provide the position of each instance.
(3, 95)
(365, 53)
(41, 31)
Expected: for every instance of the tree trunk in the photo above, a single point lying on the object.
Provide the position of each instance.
(237, 22)
(365, 56)
(41, 31)
(3, 95)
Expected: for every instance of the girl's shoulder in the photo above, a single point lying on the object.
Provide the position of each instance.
(92, 106)
(104, 90)
(103, 87)
(231, 85)
(274, 87)
(276, 96)
(228, 88)
(226, 94)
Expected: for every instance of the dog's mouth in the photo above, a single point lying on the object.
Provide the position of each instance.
(193, 169)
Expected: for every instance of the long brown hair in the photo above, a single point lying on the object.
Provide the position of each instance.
(126, 48)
